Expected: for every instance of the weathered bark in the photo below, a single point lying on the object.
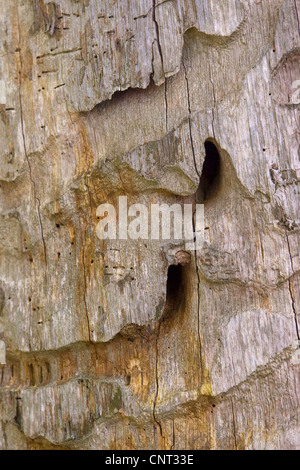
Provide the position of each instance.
(100, 99)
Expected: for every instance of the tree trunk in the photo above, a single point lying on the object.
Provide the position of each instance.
(144, 344)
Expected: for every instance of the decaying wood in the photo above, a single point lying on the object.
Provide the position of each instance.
(106, 98)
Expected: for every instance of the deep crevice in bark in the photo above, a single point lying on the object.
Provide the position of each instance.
(210, 176)
(175, 287)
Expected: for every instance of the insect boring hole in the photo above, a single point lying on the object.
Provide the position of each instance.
(175, 287)
(210, 176)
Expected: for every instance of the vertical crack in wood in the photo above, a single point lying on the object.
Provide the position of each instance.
(194, 225)
(293, 302)
(214, 97)
(85, 285)
(157, 35)
(157, 382)
(173, 435)
(233, 424)
(162, 60)
(24, 142)
(189, 120)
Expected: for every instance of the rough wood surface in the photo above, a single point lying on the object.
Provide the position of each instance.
(106, 98)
